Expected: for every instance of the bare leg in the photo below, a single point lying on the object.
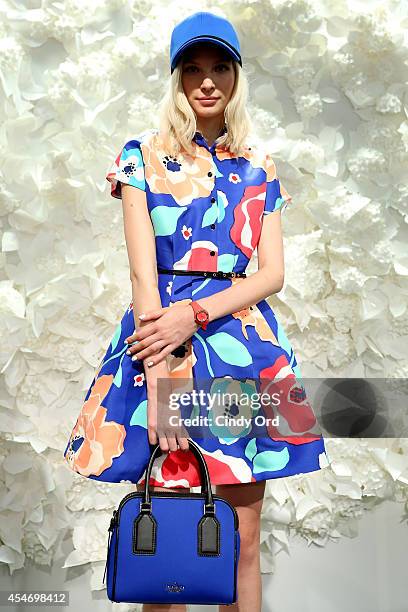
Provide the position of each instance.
(247, 499)
(162, 607)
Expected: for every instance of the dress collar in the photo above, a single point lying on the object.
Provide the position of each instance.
(199, 136)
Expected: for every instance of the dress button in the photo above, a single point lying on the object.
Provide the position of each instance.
(212, 225)
(212, 252)
(210, 174)
(213, 200)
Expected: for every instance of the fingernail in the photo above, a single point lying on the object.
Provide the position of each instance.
(128, 353)
(134, 358)
(150, 363)
(142, 316)
(125, 342)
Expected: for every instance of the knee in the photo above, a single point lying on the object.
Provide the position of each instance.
(249, 543)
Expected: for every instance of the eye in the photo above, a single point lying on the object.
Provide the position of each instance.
(223, 67)
(189, 68)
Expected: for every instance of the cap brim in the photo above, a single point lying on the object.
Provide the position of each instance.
(234, 55)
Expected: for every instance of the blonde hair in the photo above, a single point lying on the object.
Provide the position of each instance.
(177, 119)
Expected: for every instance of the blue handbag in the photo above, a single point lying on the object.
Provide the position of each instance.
(168, 547)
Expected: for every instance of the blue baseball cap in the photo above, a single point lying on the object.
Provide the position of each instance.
(200, 27)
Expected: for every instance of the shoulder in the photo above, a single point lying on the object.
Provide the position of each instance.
(264, 159)
(138, 141)
(255, 152)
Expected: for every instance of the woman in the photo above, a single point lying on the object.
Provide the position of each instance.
(198, 199)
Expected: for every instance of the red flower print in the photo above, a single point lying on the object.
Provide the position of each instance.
(139, 379)
(186, 231)
(234, 177)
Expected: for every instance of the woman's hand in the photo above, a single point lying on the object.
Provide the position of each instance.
(169, 328)
(164, 425)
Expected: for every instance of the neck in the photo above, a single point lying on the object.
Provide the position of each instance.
(210, 130)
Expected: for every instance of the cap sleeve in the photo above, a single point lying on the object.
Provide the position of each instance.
(276, 197)
(128, 168)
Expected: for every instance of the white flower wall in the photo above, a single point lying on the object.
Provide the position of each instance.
(328, 98)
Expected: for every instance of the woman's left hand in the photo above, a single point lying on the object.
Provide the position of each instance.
(169, 327)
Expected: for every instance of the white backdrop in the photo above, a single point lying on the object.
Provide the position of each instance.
(328, 98)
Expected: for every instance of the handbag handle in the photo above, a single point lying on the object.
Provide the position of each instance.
(208, 528)
(205, 477)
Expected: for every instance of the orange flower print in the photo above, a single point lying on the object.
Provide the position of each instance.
(185, 178)
(270, 168)
(251, 153)
(253, 316)
(94, 443)
(271, 174)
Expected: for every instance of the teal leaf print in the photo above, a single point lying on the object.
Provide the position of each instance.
(205, 349)
(266, 461)
(118, 376)
(250, 449)
(139, 417)
(222, 203)
(226, 262)
(116, 336)
(271, 461)
(229, 349)
(164, 219)
(210, 215)
(216, 212)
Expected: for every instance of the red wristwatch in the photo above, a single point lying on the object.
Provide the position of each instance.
(201, 316)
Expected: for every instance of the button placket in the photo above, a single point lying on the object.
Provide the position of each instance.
(211, 174)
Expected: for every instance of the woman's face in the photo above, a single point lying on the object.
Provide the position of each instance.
(207, 72)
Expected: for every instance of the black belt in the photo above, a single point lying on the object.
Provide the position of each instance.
(203, 273)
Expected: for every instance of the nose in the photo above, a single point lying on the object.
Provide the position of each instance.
(207, 86)
(208, 82)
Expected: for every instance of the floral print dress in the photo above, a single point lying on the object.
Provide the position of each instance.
(207, 214)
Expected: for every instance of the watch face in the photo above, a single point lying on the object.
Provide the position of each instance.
(202, 316)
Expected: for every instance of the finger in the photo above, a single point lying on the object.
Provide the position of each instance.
(183, 443)
(157, 357)
(152, 424)
(171, 441)
(144, 345)
(163, 443)
(152, 435)
(152, 355)
(141, 333)
(151, 314)
(131, 346)
(149, 351)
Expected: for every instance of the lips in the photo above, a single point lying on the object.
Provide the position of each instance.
(208, 98)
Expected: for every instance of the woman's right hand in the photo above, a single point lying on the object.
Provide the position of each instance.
(159, 426)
